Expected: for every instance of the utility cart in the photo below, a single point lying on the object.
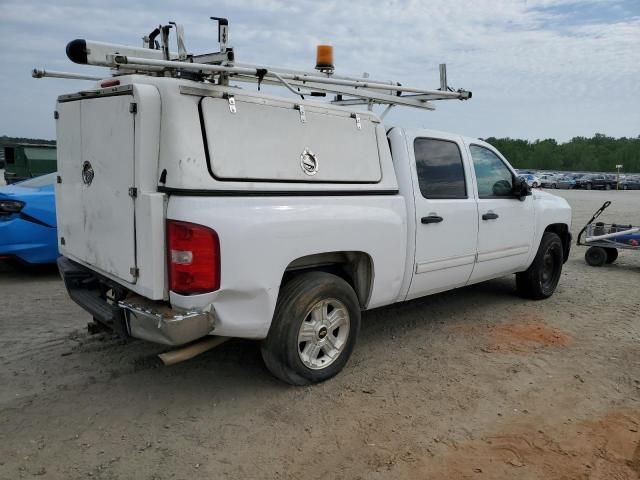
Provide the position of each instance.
(605, 239)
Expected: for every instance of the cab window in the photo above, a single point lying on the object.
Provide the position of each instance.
(440, 169)
(492, 175)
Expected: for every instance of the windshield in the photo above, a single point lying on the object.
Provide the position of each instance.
(38, 182)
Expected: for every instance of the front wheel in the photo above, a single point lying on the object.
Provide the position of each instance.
(540, 280)
(589, 186)
(314, 329)
(607, 187)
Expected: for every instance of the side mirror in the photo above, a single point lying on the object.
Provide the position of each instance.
(521, 188)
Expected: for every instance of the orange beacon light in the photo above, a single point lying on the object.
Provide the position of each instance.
(324, 58)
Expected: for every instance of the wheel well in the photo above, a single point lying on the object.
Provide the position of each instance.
(562, 230)
(356, 268)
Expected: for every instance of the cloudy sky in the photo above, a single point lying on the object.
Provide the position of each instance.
(537, 68)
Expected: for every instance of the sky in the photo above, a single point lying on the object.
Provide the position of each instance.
(537, 68)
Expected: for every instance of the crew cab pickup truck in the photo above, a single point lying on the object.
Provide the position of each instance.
(188, 209)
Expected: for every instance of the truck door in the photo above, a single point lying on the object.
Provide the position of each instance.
(505, 223)
(446, 215)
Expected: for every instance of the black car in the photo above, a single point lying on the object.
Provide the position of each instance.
(595, 181)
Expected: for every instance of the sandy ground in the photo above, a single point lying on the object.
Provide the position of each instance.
(475, 383)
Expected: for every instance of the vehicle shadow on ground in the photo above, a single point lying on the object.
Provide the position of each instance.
(15, 270)
(238, 362)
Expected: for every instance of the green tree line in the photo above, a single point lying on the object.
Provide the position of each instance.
(599, 153)
(4, 140)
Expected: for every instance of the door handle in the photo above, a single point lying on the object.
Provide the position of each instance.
(432, 219)
(489, 216)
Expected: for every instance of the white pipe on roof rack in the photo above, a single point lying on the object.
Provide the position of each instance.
(41, 73)
(201, 67)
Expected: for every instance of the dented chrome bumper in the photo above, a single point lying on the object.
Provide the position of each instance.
(168, 327)
(135, 316)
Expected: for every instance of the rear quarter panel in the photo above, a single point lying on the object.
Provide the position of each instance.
(261, 236)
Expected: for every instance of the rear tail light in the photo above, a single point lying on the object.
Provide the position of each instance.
(8, 207)
(194, 258)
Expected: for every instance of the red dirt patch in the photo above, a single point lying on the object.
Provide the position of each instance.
(526, 334)
(525, 337)
(607, 448)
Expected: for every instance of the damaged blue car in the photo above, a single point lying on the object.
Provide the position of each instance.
(28, 230)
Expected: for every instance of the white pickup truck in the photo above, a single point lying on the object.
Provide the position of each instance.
(188, 208)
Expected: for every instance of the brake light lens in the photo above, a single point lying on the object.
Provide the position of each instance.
(194, 258)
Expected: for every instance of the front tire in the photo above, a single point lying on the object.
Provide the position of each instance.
(314, 329)
(540, 280)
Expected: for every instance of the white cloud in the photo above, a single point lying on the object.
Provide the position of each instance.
(534, 70)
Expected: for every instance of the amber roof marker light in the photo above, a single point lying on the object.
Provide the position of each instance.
(324, 59)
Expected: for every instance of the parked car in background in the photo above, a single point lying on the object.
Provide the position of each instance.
(565, 182)
(548, 180)
(595, 181)
(630, 183)
(532, 180)
(28, 221)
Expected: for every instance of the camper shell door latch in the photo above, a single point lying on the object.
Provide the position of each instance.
(232, 102)
(358, 123)
(303, 116)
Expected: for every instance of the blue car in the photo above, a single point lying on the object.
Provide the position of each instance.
(28, 221)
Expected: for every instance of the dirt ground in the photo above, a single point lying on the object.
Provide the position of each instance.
(475, 383)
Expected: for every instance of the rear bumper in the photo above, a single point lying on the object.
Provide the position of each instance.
(132, 315)
(166, 326)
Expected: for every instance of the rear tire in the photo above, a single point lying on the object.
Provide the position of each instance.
(540, 280)
(612, 254)
(596, 256)
(314, 329)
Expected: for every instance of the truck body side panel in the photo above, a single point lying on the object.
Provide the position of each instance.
(261, 236)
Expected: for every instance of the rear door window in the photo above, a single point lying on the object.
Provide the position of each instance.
(440, 169)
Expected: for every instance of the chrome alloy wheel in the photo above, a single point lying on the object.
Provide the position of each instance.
(323, 334)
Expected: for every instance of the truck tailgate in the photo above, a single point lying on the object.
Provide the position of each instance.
(96, 166)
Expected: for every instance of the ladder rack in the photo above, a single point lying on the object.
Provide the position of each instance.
(220, 68)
